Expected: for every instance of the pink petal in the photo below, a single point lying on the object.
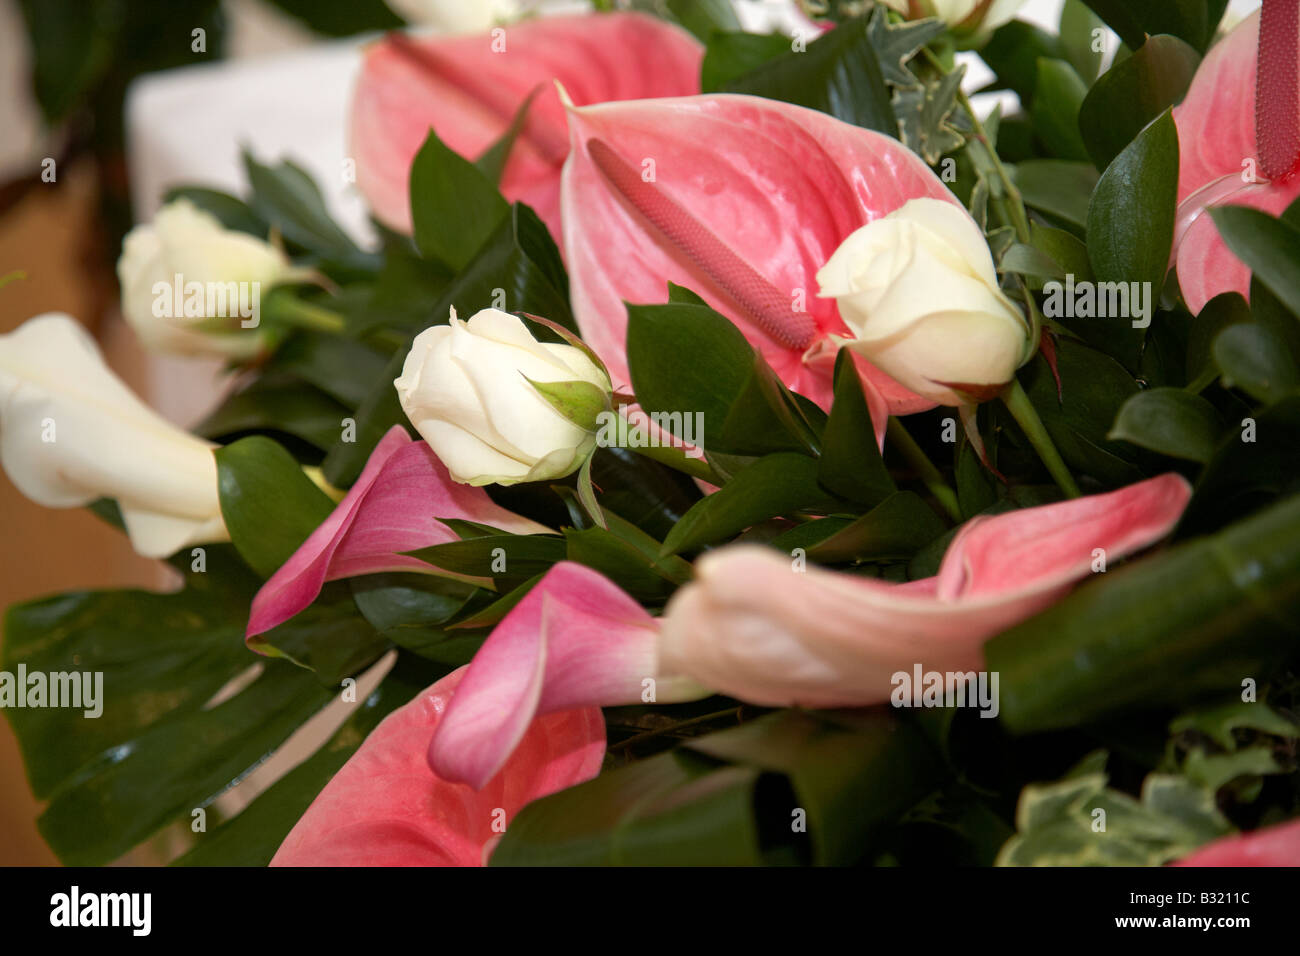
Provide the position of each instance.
(385, 807)
(395, 506)
(754, 627)
(470, 93)
(749, 197)
(1216, 141)
(575, 640)
(1272, 846)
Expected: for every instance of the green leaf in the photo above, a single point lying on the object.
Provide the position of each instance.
(1191, 621)
(704, 17)
(1187, 19)
(1271, 247)
(286, 197)
(342, 19)
(492, 163)
(743, 406)
(897, 43)
(1131, 216)
(579, 401)
(1219, 313)
(631, 568)
(1057, 823)
(1133, 92)
(1058, 94)
(330, 637)
(1076, 31)
(1169, 421)
(508, 559)
(777, 484)
(730, 56)
(851, 465)
(1256, 359)
(854, 779)
(925, 116)
(894, 530)
(252, 837)
(1057, 187)
(1013, 53)
(269, 505)
(837, 73)
(230, 212)
(455, 208)
(278, 405)
(678, 808)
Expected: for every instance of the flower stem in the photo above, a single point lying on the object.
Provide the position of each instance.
(1022, 410)
(303, 315)
(929, 474)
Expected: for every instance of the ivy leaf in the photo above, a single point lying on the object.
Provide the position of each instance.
(925, 116)
(897, 43)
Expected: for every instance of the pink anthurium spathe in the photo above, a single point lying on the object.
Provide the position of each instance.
(394, 507)
(575, 640)
(469, 88)
(752, 627)
(1277, 845)
(1239, 144)
(385, 807)
(742, 200)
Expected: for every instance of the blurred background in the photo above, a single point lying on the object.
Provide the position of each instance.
(106, 104)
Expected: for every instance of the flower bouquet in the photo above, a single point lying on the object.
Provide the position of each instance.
(736, 448)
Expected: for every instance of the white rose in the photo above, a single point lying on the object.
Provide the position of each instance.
(465, 387)
(185, 269)
(456, 16)
(970, 15)
(920, 294)
(71, 432)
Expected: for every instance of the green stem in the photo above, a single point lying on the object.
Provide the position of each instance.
(1007, 195)
(303, 315)
(1022, 410)
(929, 474)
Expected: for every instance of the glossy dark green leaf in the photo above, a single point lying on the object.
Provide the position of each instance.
(1169, 421)
(330, 637)
(851, 465)
(1219, 313)
(342, 19)
(1193, 620)
(1058, 94)
(1253, 358)
(1058, 187)
(283, 405)
(838, 73)
(252, 837)
(492, 163)
(1013, 53)
(854, 779)
(778, 484)
(507, 559)
(340, 367)
(1189, 19)
(269, 505)
(232, 213)
(1131, 216)
(1078, 39)
(455, 207)
(894, 530)
(743, 408)
(730, 55)
(704, 17)
(1270, 246)
(286, 197)
(1134, 92)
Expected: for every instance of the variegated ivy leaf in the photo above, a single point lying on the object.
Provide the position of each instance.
(896, 43)
(1236, 741)
(925, 115)
(1080, 821)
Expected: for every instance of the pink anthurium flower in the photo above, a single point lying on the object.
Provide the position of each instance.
(469, 88)
(575, 640)
(1239, 144)
(1272, 846)
(395, 506)
(385, 807)
(752, 627)
(742, 200)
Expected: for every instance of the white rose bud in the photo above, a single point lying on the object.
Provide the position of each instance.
(468, 389)
(184, 270)
(965, 15)
(71, 432)
(920, 294)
